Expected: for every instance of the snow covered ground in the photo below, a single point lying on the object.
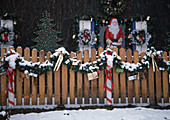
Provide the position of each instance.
(138, 113)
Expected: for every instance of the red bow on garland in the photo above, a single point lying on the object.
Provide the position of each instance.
(108, 76)
(5, 36)
(86, 37)
(141, 37)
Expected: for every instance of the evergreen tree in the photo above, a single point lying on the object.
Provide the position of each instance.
(47, 37)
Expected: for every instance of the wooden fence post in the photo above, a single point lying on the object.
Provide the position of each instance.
(101, 81)
(64, 84)
(34, 79)
(72, 83)
(151, 85)
(41, 81)
(49, 83)
(3, 82)
(130, 83)
(93, 82)
(86, 81)
(27, 80)
(165, 82)
(122, 78)
(144, 85)
(79, 81)
(19, 82)
(115, 82)
(137, 81)
(57, 86)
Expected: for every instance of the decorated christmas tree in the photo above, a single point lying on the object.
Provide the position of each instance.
(47, 38)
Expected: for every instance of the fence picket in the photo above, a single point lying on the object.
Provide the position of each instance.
(3, 82)
(144, 85)
(19, 82)
(79, 81)
(94, 81)
(130, 82)
(115, 82)
(86, 81)
(137, 81)
(64, 84)
(122, 78)
(165, 82)
(57, 86)
(27, 80)
(151, 85)
(101, 82)
(49, 83)
(41, 81)
(72, 83)
(34, 79)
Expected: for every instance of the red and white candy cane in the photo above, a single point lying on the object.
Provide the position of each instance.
(13, 56)
(10, 86)
(108, 82)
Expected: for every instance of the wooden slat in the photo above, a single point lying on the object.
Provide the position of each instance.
(93, 82)
(130, 83)
(3, 82)
(72, 83)
(49, 83)
(115, 82)
(165, 82)
(137, 81)
(34, 79)
(158, 87)
(27, 80)
(41, 81)
(144, 86)
(79, 81)
(122, 78)
(151, 85)
(101, 81)
(19, 82)
(64, 84)
(57, 86)
(86, 81)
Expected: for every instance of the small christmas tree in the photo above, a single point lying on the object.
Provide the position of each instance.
(47, 37)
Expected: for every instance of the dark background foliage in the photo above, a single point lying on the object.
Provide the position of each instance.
(62, 11)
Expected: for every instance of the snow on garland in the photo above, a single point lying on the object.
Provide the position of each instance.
(152, 57)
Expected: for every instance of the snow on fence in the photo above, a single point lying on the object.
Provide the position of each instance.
(63, 84)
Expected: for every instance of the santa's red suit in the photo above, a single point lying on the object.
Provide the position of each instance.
(113, 32)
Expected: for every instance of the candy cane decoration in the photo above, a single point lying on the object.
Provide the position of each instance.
(108, 81)
(13, 56)
(10, 86)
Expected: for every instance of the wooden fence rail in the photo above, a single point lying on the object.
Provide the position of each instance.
(57, 86)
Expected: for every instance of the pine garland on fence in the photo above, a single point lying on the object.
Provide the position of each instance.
(34, 69)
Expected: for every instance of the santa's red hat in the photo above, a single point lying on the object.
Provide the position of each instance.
(113, 20)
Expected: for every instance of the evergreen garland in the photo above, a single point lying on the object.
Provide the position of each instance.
(89, 67)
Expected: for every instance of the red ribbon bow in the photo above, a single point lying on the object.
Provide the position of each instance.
(108, 76)
(86, 37)
(140, 37)
(5, 36)
(10, 79)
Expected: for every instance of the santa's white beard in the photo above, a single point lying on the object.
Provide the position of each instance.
(114, 30)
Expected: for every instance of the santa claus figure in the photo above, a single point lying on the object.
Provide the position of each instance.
(114, 35)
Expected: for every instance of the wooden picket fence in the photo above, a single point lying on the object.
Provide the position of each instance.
(64, 83)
